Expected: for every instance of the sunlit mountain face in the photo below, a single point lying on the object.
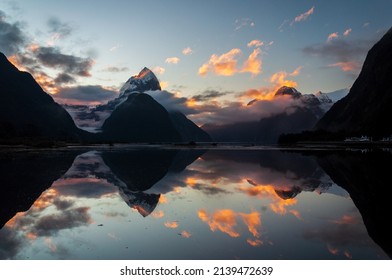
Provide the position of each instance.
(220, 204)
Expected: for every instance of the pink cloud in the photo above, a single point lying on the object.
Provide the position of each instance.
(332, 36)
(347, 32)
(187, 51)
(255, 43)
(304, 16)
(347, 66)
(172, 60)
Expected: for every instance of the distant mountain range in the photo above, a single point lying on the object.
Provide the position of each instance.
(301, 114)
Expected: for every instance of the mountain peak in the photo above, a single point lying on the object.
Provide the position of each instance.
(284, 90)
(144, 81)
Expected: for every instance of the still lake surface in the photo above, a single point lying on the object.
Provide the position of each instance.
(163, 203)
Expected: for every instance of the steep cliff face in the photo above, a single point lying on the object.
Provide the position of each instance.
(367, 107)
(27, 111)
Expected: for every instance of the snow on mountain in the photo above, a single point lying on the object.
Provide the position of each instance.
(92, 118)
(337, 94)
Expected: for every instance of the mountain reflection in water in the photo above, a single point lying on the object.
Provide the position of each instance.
(194, 204)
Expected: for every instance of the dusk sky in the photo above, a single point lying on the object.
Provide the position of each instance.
(213, 52)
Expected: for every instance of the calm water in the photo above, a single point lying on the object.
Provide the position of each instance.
(192, 204)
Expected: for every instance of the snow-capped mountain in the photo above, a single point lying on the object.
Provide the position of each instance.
(92, 118)
(145, 80)
(136, 116)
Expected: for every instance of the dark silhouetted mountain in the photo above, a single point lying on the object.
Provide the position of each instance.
(188, 130)
(301, 114)
(26, 111)
(140, 119)
(365, 177)
(25, 175)
(367, 107)
(139, 170)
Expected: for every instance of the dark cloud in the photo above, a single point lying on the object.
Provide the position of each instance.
(64, 78)
(53, 58)
(63, 204)
(340, 50)
(171, 102)
(61, 28)
(12, 38)
(114, 69)
(80, 188)
(209, 94)
(10, 243)
(85, 94)
(209, 190)
(71, 218)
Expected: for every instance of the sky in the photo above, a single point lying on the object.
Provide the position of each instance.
(205, 53)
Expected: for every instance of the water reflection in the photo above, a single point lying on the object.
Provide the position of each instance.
(192, 204)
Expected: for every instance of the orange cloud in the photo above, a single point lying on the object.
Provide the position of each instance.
(347, 32)
(163, 84)
(172, 60)
(278, 205)
(47, 83)
(254, 242)
(223, 220)
(253, 63)
(187, 51)
(348, 66)
(252, 221)
(304, 16)
(296, 71)
(277, 80)
(162, 199)
(296, 214)
(15, 61)
(191, 181)
(332, 36)
(185, 234)
(224, 65)
(255, 43)
(173, 224)
(158, 214)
